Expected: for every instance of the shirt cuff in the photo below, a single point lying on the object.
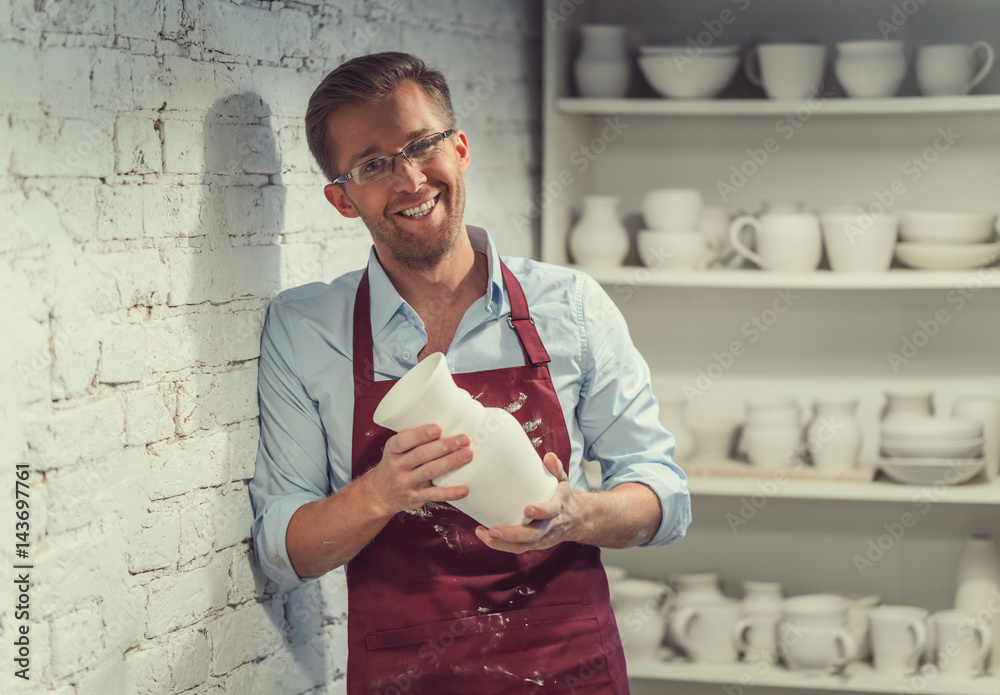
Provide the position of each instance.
(670, 488)
(269, 531)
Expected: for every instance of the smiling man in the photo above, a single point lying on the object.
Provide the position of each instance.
(436, 602)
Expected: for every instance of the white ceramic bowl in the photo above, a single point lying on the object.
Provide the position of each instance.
(670, 250)
(946, 256)
(934, 429)
(947, 227)
(931, 471)
(687, 51)
(957, 448)
(679, 76)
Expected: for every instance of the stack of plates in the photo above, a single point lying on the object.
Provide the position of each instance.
(947, 240)
(928, 450)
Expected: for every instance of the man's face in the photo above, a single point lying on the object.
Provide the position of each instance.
(360, 133)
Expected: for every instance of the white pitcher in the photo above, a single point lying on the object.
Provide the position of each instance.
(505, 475)
(599, 239)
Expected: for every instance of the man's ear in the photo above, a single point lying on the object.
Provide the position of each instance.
(334, 193)
(462, 148)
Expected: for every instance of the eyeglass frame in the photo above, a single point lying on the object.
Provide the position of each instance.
(350, 175)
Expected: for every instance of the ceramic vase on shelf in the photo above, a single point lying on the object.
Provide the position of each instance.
(599, 239)
(834, 435)
(637, 607)
(602, 67)
(977, 586)
(672, 417)
(505, 475)
(901, 404)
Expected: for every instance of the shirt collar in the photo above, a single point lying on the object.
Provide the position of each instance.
(385, 300)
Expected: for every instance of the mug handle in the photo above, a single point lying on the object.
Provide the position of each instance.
(919, 640)
(679, 623)
(739, 633)
(987, 64)
(986, 636)
(751, 67)
(734, 237)
(848, 649)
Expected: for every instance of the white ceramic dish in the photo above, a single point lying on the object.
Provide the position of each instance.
(936, 429)
(946, 256)
(688, 51)
(947, 227)
(931, 471)
(678, 76)
(959, 448)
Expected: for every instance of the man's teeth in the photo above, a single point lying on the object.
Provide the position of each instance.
(420, 209)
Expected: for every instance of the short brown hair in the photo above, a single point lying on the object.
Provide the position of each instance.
(363, 80)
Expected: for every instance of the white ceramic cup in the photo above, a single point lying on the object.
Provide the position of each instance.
(950, 69)
(672, 209)
(817, 610)
(898, 638)
(818, 649)
(859, 243)
(673, 250)
(785, 242)
(870, 68)
(786, 70)
(961, 643)
(707, 631)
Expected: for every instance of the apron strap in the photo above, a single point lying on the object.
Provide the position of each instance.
(520, 320)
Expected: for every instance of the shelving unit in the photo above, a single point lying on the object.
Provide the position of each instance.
(837, 337)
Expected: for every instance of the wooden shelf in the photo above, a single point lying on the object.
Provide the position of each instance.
(895, 279)
(832, 106)
(858, 677)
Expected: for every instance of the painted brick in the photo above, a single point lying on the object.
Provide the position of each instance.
(83, 17)
(111, 80)
(190, 656)
(148, 94)
(82, 431)
(69, 652)
(246, 579)
(183, 148)
(333, 587)
(294, 32)
(19, 80)
(195, 510)
(147, 670)
(295, 670)
(123, 354)
(178, 467)
(232, 516)
(258, 37)
(304, 621)
(75, 203)
(141, 20)
(246, 271)
(179, 18)
(135, 278)
(124, 612)
(66, 78)
(171, 211)
(189, 340)
(138, 149)
(248, 633)
(208, 402)
(243, 450)
(179, 600)
(119, 212)
(106, 677)
(57, 147)
(243, 148)
(156, 539)
(148, 415)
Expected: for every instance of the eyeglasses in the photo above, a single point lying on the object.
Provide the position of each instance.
(377, 169)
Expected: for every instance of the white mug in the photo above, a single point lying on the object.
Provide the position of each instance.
(859, 242)
(961, 643)
(786, 242)
(757, 638)
(950, 69)
(898, 638)
(707, 631)
(786, 70)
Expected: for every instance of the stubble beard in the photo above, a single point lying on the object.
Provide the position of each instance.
(411, 252)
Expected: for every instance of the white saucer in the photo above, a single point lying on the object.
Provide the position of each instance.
(946, 256)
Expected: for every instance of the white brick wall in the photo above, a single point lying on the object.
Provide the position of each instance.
(156, 191)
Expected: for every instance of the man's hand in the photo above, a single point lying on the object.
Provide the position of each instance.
(560, 519)
(411, 459)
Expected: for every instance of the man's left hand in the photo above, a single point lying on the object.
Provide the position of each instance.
(560, 519)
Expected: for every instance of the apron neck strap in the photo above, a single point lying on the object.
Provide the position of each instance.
(520, 320)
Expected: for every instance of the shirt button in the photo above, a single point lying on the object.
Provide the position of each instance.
(406, 354)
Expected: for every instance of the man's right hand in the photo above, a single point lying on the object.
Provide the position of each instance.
(410, 461)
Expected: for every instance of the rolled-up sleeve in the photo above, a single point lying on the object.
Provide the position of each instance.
(619, 415)
(291, 468)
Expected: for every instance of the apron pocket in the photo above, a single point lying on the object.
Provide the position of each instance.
(547, 649)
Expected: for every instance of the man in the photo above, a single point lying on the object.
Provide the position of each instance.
(437, 603)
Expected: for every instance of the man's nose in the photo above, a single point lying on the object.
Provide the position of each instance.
(406, 175)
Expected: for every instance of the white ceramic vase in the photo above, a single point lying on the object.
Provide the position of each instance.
(977, 586)
(599, 239)
(602, 68)
(505, 474)
(834, 435)
(985, 409)
(637, 605)
(672, 417)
(762, 598)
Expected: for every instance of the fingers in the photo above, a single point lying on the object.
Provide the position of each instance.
(554, 466)
(401, 442)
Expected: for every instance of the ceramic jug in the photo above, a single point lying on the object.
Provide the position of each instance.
(834, 435)
(978, 583)
(602, 68)
(708, 631)
(637, 605)
(599, 239)
(505, 475)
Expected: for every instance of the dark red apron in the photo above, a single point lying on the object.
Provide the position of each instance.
(433, 610)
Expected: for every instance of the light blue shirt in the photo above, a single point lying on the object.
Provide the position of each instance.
(306, 393)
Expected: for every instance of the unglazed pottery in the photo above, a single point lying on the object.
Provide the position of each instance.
(637, 605)
(599, 239)
(708, 631)
(898, 638)
(859, 243)
(785, 242)
(962, 643)
(505, 475)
